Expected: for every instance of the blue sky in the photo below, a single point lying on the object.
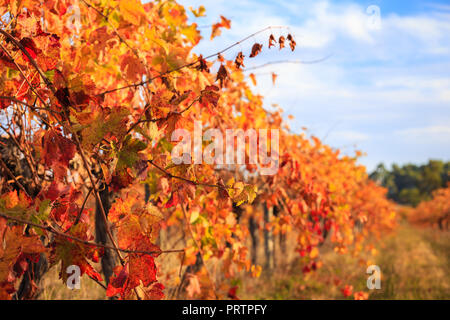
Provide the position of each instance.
(386, 88)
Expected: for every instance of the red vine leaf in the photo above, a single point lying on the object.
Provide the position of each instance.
(222, 75)
(239, 61)
(253, 78)
(70, 252)
(281, 42)
(347, 290)
(292, 43)
(274, 77)
(272, 41)
(203, 65)
(173, 201)
(224, 23)
(256, 49)
(57, 151)
(232, 293)
(210, 95)
(30, 47)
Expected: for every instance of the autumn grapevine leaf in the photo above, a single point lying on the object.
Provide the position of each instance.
(210, 97)
(224, 23)
(30, 47)
(253, 78)
(239, 61)
(272, 41)
(222, 75)
(232, 293)
(274, 77)
(202, 64)
(85, 242)
(281, 42)
(256, 49)
(200, 61)
(292, 43)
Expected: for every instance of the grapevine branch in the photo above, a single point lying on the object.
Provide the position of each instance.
(288, 61)
(16, 101)
(5, 167)
(77, 219)
(22, 73)
(15, 63)
(97, 197)
(162, 74)
(243, 40)
(98, 282)
(26, 153)
(162, 118)
(75, 137)
(85, 242)
(31, 107)
(170, 175)
(200, 250)
(32, 61)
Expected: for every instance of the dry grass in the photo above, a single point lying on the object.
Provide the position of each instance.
(415, 264)
(52, 288)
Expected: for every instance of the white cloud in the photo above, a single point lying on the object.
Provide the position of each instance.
(445, 95)
(385, 87)
(348, 136)
(426, 134)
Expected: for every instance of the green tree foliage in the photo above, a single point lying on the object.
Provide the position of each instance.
(411, 184)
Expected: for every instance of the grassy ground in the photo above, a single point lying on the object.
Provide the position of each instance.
(54, 289)
(415, 264)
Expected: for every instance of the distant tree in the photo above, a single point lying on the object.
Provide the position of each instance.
(410, 183)
(410, 196)
(384, 177)
(431, 176)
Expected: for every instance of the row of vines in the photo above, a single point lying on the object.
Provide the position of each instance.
(90, 95)
(434, 212)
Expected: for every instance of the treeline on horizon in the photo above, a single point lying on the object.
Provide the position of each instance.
(410, 184)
